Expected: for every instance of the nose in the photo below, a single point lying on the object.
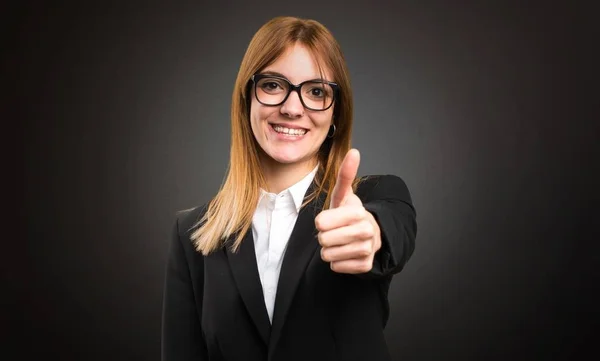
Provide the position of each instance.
(292, 107)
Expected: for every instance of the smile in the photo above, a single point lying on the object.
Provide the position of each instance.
(288, 131)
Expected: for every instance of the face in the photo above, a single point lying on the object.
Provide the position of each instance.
(290, 134)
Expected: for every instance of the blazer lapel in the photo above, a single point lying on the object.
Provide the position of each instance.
(300, 249)
(245, 272)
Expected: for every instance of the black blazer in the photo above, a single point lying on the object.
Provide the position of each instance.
(214, 307)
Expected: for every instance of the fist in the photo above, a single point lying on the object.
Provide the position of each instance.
(348, 234)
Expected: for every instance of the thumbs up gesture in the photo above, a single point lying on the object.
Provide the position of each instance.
(348, 233)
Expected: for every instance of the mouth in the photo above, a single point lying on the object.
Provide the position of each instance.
(292, 132)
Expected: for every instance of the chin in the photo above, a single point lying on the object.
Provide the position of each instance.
(288, 159)
(284, 158)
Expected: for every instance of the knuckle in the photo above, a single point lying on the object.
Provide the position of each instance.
(319, 222)
(367, 230)
(365, 267)
(324, 255)
(364, 250)
(360, 212)
(321, 238)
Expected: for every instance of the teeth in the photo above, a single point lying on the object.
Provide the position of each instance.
(280, 129)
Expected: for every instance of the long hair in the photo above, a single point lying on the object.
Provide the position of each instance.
(231, 211)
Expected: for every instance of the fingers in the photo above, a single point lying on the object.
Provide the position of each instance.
(354, 250)
(353, 266)
(340, 217)
(347, 231)
(346, 175)
(360, 231)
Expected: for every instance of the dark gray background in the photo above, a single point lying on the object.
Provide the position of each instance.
(480, 108)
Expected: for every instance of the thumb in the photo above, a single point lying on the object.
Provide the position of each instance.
(346, 175)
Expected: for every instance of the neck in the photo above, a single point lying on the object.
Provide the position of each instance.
(282, 176)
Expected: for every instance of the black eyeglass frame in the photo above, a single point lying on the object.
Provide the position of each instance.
(293, 87)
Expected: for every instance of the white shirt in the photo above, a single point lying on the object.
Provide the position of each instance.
(272, 225)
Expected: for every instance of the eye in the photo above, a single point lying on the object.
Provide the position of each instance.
(317, 92)
(271, 85)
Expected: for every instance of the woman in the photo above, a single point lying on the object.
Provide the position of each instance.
(293, 258)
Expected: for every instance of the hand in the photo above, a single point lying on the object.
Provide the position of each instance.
(348, 233)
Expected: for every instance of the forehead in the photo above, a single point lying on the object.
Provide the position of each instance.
(298, 64)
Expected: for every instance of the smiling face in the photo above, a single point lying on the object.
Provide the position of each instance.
(290, 134)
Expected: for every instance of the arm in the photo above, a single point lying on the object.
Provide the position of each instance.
(388, 199)
(181, 333)
(369, 232)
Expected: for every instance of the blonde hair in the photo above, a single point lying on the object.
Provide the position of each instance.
(230, 212)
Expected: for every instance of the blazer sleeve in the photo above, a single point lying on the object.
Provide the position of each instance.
(388, 199)
(181, 333)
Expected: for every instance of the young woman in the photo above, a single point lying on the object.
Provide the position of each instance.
(293, 258)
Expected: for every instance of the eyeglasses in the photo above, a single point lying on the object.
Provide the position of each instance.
(272, 90)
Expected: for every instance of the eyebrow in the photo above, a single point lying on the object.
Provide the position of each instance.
(283, 76)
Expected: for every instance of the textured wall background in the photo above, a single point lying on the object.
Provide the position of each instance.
(480, 108)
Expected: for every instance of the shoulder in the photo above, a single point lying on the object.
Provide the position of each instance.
(386, 183)
(384, 188)
(188, 219)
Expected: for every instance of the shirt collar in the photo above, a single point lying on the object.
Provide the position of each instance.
(299, 189)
